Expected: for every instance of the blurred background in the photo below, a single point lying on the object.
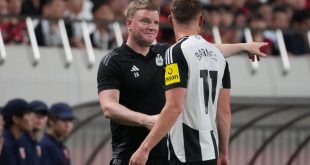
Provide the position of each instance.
(50, 50)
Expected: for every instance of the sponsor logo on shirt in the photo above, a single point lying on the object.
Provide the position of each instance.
(135, 70)
(172, 74)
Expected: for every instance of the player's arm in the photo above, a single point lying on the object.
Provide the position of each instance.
(251, 48)
(223, 121)
(109, 103)
(167, 118)
(223, 117)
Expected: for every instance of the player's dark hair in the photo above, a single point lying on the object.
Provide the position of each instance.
(98, 4)
(185, 11)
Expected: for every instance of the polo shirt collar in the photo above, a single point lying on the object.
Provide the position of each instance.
(129, 51)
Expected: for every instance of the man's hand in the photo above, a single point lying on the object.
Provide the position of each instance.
(149, 121)
(139, 157)
(223, 160)
(253, 50)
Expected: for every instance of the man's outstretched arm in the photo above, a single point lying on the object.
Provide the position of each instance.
(251, 48)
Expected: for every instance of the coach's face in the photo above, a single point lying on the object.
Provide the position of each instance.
(143, 26)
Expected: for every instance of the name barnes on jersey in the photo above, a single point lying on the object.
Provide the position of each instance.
(206, 53)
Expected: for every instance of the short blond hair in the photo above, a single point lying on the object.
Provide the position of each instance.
(136, 5)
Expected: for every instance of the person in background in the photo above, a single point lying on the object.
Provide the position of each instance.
(3, 7)
(118, 8)
(47, 31)
(102, 37)
(293, 40)
(228, 34)
(1, 131)
(18, 119)
(3, 12)
(31, 7)
(59, 126)
(76, 10)
(265, 10)
(257, 25)
(30, 140)
(212, 19)
(14, 29)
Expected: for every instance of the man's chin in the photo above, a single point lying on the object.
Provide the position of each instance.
(146, 43)
(35, 130)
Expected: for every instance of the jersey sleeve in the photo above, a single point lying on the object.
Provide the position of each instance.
(176, 68)
(108, 74)
(226, 78)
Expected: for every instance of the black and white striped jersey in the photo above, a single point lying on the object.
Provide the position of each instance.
(199, 66)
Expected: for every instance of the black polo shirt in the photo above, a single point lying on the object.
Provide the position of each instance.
(140, 82)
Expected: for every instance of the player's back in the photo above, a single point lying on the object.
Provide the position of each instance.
(205, 66)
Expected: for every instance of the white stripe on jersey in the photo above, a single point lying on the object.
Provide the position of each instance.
(170, 55)
(166, 56)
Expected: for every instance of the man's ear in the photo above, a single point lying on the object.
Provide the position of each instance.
(51, 122)
(15, 119)
(129, 23)
(170, 19)
(201, 20)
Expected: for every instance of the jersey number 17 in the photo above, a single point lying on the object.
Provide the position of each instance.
(206, 86)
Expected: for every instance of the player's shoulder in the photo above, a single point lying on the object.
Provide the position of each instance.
(175, 52)
(177, 48)
(160, 48)
(110, 56)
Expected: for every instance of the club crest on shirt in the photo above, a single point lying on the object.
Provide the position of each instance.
(172, 74)
(159, 60)
(22, 153)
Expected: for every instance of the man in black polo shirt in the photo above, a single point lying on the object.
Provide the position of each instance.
(131, 87)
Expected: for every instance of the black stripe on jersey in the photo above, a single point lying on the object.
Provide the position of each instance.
(169, 57)
(105, 60)
(213, 75)
(214, 144)
(191, 144)
(226, 78)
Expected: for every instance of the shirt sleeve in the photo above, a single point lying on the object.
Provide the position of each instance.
(226, 83)
(176, 69)
(108, 73)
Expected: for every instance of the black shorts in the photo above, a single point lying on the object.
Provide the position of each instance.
(149, 162)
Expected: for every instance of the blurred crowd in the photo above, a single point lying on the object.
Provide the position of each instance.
(263, 17)
(31, 133)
